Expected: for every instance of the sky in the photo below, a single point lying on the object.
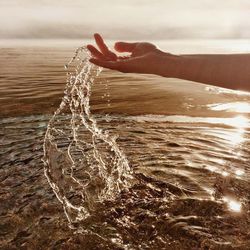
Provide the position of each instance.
(130, 19)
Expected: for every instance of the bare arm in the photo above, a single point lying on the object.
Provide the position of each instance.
(222, 70)
(227, 70)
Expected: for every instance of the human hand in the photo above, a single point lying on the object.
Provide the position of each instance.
(143, 58)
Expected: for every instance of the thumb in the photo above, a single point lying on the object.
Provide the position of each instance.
(125, 47)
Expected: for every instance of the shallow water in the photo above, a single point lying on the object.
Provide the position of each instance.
(188, 146)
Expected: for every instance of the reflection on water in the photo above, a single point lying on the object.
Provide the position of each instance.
(236, 137)
(233, 205)
(239, 107)
(224, 173)
(190, 161)
(237, 121)
(239, 172)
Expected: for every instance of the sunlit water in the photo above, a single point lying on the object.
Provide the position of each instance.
(185, 145)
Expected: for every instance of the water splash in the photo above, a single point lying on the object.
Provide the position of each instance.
(83, 163)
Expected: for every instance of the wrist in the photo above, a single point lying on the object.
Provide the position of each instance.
(170, 65)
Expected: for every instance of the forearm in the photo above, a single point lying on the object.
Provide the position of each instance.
(227, 71)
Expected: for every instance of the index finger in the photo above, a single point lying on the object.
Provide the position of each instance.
(103, 47)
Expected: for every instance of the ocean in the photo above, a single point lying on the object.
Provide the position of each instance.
(187, 146)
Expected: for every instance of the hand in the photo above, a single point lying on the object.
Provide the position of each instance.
(144, 57)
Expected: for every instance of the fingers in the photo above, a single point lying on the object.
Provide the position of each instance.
(103, 47)
(100, 43)
(125, 47)
(95, 52)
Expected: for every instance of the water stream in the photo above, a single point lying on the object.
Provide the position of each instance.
(83, 163)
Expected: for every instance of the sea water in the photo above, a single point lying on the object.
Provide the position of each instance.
(182, 181)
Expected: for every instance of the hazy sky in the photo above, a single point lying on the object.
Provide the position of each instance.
(131, 19)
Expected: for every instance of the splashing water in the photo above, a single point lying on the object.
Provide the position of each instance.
(83, 164)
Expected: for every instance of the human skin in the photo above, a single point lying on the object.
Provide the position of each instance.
(223, 70)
